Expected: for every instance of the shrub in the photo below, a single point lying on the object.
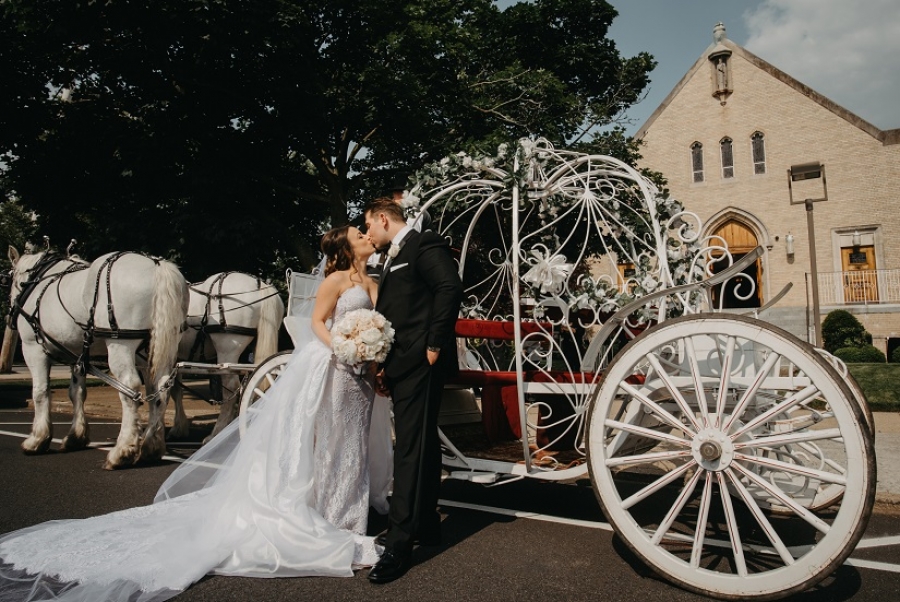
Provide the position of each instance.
(841, 329)
(867, 354)
(895, 356)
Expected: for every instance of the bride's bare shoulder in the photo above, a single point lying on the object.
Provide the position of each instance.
(338, 281)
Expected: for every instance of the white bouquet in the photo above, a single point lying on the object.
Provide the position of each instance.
(362, 335)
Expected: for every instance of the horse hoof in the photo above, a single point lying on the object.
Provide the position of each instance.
(33, 447)
(152, 450)
(74, 444)
(121, 459)
(178, 433)
(150, 456)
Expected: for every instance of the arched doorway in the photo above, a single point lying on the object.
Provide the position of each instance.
(739, 293)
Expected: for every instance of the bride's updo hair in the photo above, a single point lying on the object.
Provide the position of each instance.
(338, 253)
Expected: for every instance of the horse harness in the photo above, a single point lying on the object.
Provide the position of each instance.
(204, 329)
(55, 349)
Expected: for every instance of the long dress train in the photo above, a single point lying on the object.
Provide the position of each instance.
(290, 498)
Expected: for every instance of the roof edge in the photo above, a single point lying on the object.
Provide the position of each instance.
(886, 137)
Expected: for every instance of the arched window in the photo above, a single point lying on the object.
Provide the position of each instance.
(727, 158)
(697, 161)
(758, 143)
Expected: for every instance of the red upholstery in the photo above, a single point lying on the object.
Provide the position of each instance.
(495, 329)
(499, 393)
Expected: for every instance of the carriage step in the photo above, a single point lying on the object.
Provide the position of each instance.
(475, 477)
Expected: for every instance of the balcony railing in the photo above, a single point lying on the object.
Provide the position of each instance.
(859, 287)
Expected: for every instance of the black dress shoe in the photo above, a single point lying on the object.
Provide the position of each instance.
(393, 565)
(427, 540)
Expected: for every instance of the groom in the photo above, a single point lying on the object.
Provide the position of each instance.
(419, 292)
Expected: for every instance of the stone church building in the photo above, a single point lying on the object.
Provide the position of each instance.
(744, 145)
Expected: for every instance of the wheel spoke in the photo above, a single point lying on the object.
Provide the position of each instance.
(656, 485)
(828, 462)
(802, 512)
(798, 469)
(698, 381)
(726, 377)
(654, 407)
(702, 519)
(645, 432)
(795, 399)
(760, 517)
(677, 507)
(621, 461)
(733, 530)
(750, 393)
(789, 438)
(676, 395)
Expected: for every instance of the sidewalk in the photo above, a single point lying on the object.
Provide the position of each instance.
(103, 402)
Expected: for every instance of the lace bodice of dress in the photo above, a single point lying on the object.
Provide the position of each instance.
(353, 298)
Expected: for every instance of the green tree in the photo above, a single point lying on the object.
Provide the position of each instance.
(226, 133)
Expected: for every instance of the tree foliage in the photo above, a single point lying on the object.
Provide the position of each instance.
(225, 133)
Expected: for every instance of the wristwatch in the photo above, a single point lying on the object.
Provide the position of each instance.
(434, 349)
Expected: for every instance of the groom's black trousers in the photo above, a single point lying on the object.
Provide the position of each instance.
(417, 456)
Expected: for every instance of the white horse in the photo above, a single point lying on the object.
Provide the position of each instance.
(227, 311)
(67, 310)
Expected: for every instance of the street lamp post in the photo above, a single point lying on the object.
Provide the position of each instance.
(796, 173)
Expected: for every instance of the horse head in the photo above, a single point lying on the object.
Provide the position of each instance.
(26, 268)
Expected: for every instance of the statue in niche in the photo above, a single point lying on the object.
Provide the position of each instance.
(719, 59)
(721, 75)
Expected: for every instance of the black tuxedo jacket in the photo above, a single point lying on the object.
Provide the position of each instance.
(420, 293)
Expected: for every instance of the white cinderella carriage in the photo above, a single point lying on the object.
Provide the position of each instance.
(734, 459)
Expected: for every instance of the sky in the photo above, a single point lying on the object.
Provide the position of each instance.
(848, 51)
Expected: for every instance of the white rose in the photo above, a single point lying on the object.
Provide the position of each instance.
(345, 350)
(370, 336)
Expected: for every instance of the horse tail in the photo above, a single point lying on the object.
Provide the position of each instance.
(271, 314)
(170, 304)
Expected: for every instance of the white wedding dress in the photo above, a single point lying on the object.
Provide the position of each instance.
(288, 499)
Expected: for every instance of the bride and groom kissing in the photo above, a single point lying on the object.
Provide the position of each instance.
(291, 496)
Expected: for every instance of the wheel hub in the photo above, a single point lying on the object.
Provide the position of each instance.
(712, 449)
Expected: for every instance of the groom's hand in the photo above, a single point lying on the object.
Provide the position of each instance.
(432, 356)
(380, 386)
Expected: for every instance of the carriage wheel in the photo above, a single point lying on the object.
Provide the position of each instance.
(726, 503)
(259, 382)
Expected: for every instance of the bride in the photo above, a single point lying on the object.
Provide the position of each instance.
(289, 498)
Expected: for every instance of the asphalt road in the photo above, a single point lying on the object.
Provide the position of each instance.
(521, 541)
